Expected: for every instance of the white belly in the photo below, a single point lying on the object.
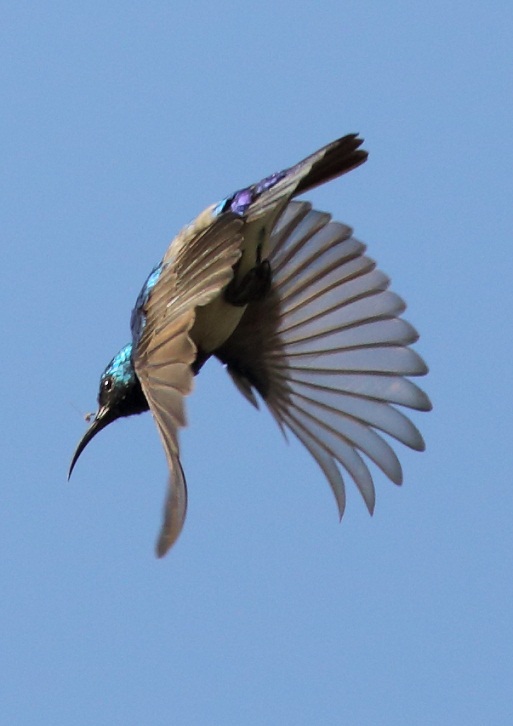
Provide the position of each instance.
(216, 321)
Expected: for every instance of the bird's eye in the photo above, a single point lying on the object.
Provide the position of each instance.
(107, 384)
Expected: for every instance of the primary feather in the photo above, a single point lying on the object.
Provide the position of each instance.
(328, 352)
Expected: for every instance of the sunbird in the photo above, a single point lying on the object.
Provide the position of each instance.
(288, 301)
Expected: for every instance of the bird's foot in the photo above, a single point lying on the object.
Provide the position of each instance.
(255, 285)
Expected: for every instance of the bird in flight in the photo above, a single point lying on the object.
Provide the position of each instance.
(288, 300)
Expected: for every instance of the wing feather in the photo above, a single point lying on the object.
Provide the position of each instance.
(329, 353)
(196, 267)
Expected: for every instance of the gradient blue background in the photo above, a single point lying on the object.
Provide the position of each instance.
(120, 122)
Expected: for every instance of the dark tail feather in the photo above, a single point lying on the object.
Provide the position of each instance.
(272, 194)
(339, 157)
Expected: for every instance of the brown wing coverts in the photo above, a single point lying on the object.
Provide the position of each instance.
(198, 265)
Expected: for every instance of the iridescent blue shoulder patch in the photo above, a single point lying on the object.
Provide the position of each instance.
(138, 317)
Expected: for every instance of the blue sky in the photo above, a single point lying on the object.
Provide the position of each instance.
(120, 122)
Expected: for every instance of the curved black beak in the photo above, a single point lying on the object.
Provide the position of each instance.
(103, 418)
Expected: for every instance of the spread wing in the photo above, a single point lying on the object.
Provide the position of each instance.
(197, 265)
(328, 351)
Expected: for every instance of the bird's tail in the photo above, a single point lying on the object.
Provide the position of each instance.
(320, 167)
(329, 162)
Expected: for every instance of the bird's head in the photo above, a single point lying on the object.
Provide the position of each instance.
(120, 394)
